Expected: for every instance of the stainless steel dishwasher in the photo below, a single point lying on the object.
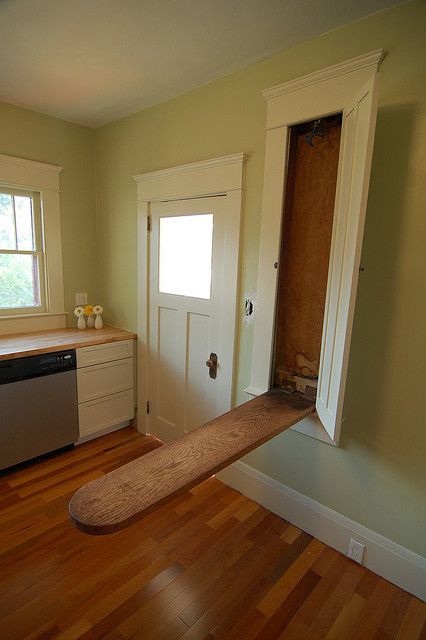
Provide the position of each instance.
(38, 405)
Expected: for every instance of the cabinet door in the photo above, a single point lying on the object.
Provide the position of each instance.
(104, 379)
(87, 356)
(359, 119)
(100, 414)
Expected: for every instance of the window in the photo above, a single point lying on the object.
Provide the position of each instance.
(186, 255)
(22, 274)
(31, 276)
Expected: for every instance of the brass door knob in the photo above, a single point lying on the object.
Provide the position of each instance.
(211, 363)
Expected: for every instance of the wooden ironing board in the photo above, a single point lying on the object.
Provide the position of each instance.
(125, 495)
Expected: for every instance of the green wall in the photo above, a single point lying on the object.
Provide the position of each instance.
(30, 135)
(377, 476)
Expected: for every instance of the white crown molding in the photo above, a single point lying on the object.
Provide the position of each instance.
(371, 59)
(383, 556)
(237, 158)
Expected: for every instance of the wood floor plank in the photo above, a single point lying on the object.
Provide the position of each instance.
(173, 575)
(323, 591)
(282, 588)
(369, 619)
(291, 534)
(394, 613)
(341, 594)
(289, 607)
(413, 622)
(347, 618)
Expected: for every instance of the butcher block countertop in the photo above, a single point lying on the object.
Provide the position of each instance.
(18, 345)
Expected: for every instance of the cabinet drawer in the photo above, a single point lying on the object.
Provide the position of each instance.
(98, 353)
(104, 379)
(100, 414)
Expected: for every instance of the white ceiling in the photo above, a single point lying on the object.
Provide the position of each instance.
(94, 61)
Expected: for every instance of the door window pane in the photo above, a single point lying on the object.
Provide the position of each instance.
(185, 264)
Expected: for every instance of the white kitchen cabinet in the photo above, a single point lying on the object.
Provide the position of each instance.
(105, 381)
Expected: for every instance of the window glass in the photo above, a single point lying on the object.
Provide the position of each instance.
(7, 222)
(185, 262)
(19, 281)
(24, 223)
(21, 260)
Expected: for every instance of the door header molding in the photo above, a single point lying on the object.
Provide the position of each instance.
(208, 177)
(370, 59)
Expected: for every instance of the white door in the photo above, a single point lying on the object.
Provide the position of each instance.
(359, 121)
(192, 295)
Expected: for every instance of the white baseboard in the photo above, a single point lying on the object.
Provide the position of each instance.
(388, 559)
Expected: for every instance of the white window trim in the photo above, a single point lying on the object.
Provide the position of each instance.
(44, 179)
(312, 96)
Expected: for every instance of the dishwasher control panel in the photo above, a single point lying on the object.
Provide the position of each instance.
(35, 366)
(57, 362)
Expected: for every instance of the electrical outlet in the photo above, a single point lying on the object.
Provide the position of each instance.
(81, 299)
(356, 551)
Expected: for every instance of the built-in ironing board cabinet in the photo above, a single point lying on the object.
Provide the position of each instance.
(319, 145)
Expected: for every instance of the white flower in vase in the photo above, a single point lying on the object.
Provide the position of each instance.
(98, 311)
(79, 314)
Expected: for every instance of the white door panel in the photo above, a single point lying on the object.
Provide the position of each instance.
(200, 388)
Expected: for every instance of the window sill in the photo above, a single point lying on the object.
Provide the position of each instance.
(28, 322)
(20, 316)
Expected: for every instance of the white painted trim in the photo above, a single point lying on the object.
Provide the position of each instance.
(218, 176)
(32, 322)
(388, 559)
(43, 178)
(237, 158)
(371, 59)
(29, 174)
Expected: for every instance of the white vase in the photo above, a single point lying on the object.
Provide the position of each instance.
(81, 322)
(99, 322)
(90, 322)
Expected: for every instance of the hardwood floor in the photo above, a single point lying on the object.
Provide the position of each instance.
(210, 564)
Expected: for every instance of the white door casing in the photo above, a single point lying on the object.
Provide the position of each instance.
(349, 88)
(213, 186)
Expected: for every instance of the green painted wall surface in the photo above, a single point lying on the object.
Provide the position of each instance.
(377, 476)
(30, 135)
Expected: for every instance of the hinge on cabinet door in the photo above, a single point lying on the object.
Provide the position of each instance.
(147, 407)
(148, 223)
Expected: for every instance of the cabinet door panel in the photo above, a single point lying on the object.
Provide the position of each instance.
(87, 356)
(103, 413)
(104, 379)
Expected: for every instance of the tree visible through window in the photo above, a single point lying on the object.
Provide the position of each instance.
(21, 255)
